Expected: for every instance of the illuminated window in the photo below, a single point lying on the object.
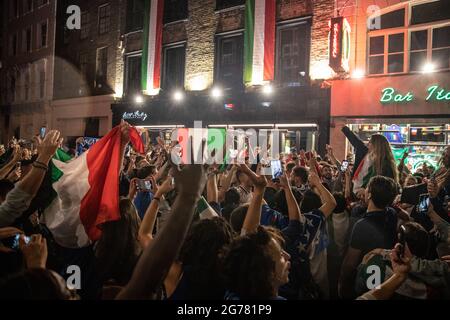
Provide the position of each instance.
(133, 74)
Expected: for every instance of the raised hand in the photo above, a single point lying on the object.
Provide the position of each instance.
(49, 145)
(284, 182)
(401, 265)
(6, 233)
(165, 187)
(35, 252)
(314, 180)
(260, 182)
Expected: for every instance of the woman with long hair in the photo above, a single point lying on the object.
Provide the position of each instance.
(118, 249)
(381, 153)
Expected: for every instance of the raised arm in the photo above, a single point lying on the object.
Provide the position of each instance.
(330, 154)
(356, 142)
(211, 188)
(328, 201)
(157, 258)
(147, 225)
(253, 217)
(6, 169)
(293, 208)
(227, 183)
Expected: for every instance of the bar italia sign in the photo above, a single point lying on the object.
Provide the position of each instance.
(434, 93)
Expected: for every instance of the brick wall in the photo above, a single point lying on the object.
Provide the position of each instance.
(231, 20)
(200, 29)
(289, 9)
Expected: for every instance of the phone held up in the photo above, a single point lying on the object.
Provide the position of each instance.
(277, 170)
(13, 241)
(344, 166)
(402, 241)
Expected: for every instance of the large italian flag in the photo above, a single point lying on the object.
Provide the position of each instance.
(151, 53)
(259, 44)
(86, 190)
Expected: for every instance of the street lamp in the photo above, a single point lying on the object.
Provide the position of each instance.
(216, 93)
(178, 96)
(267, 89)
(358, 74)
(428, 68)
(139, 99)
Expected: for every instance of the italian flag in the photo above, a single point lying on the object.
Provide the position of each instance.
(151, 54)
(86, 190)
(363, 173)
(259, 44)
(204, 210)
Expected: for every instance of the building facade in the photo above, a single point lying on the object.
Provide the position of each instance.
(88, 68)
(26, 74)
(399, 80)
(202, 69)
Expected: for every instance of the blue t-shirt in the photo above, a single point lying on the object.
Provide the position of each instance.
(142, 201)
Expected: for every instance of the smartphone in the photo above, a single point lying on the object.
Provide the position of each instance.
(144, 185)
(424, 204)
(42, 132)
(18, 165)
(344, 166)
(277, 171)
(402, 241)
(13, 242)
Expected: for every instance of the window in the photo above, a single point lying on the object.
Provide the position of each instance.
(13, 45)
(104, 18)
(418, 50)
(391, 61)
(292, 54)
(27, 6)
(27, 85)
(85, 25)
(430, 12)
(42, 82)
(42, 35)
(175, 10)
(388, 20)
(101, 69)
(224, 4)
(174, 61)
(13, 9)
(133, 74)
(229, 61)
(84, 65)
(135, 15)
(440, 55)
(28, 39)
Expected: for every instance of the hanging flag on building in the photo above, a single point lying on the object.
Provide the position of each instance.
(259, 44)
(151, 54)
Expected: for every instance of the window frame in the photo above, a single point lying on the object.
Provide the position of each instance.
(133, 54)
(44, 2)
(165, 48)
(85, 27)
(29, 9)
(286, 25)
(407, 30)
(217, 70)
(97, 65)
(39, 35)
(99, 18)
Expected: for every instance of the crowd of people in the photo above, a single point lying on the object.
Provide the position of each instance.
(317, 232)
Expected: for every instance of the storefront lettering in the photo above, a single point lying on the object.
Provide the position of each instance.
(140, 115)
(437, 93)
(390, 95)
(434, 93)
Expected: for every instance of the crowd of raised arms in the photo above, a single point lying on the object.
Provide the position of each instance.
(371, 231)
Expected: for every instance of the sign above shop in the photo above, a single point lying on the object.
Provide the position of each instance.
(434, 93)
(339, 45)
(137, 115)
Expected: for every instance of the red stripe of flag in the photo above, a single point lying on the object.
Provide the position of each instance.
(269, 40)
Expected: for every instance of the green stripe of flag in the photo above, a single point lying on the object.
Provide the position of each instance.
(62, 156)
(144, 62)
(249, 39)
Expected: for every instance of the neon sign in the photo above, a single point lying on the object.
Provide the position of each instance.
(339, 44)
(139, 115)
(434, 93)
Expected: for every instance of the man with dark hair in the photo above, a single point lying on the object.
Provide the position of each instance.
(376, 229)
(244, 188)
(300, 178)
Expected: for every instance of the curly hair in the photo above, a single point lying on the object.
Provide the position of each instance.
(200, 252)
(248, 266)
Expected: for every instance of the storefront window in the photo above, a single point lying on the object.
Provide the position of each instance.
(424, 143)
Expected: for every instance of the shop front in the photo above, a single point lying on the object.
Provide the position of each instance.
(411, 111)
(301, 115)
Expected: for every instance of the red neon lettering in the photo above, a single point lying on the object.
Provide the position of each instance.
(335, 40)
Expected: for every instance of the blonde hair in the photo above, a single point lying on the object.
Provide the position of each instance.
(382, 154)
